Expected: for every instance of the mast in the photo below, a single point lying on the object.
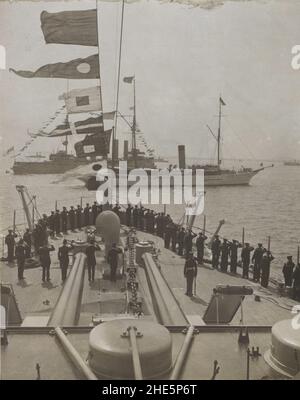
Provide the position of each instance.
(221, 103)
(65, 143)
(100, 91)
(134, 149)
(119, 71)
(219, 132)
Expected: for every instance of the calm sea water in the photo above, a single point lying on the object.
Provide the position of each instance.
(270, 206)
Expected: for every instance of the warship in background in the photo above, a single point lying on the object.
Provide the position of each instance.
(161, 159)
(294, 163)
(36, 155)
(58, 163)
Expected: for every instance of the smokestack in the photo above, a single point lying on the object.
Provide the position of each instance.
(181, 156)
(115, 150)
(125, 152)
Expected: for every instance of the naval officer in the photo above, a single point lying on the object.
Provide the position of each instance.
(190, 273)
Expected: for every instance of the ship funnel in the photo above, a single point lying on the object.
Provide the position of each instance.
(125, 151)
(181, 156)
(115, 149)
(108, 227)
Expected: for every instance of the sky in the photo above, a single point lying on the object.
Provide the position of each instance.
(183, 58)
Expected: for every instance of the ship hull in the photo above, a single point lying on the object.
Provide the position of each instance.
(229, 179)
(292, 164)
(46, 167)
(218, 179)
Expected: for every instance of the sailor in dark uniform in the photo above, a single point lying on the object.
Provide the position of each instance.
(173, 236)
(72, 218)
(51, 223)
(233, 251)
(37, 237)
(86, 213)
(159, 230)
(165, 220)
(64, 220)
(296, 284)
(21, 256)
(100, 208)
(245, 255)
(45, 259)
(265, 268)
(180, 240)
(257, 259)
(116, 209)
(10, 243)
(43, 234)
(190, 273)
(135, 215)
(152, 221)
(141, 218)
(57, 222)
(200, 247)
(167, 235)
(63, 257)
(216, 249)
(224, 255)
(128, 214)
(91, 259)
(79, 217)
(94, 212)
(28, 241)
(147, 218)
(287, 271)
(113, 258)
(188, 242)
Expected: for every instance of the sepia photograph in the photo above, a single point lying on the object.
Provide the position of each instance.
(150, 193)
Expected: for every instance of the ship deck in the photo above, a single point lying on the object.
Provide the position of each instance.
(103, 298)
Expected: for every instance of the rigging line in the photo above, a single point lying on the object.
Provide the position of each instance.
(227, 147)
(243, 99)
(237, 136)
(100, 88)
(117, 16)
(119, 70)
(122, 116)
